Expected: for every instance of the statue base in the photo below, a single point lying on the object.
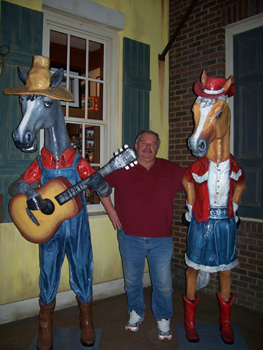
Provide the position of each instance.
(210, 338)
(67, 339)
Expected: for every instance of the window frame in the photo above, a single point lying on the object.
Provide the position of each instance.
(109, 38)
(231, 30)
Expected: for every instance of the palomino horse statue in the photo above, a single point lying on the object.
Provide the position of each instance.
(214, 185)
(41, 109)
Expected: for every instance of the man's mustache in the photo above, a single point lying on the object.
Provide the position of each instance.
(147, 150)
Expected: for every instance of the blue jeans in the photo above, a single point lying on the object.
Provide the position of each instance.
(159, 252)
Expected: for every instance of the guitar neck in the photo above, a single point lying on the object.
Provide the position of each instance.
(118, 162)
(73, 191)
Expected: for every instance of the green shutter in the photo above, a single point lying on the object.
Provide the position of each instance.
(136, 89)
(21, 31)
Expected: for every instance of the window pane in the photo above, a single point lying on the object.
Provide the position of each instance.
(83, 94)
(96, 57)
(75, 136)
(91, 196)
(78, 55)
(95, 90)
(58, 50)
(92, 144)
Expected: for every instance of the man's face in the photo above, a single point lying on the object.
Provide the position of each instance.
(147, 147)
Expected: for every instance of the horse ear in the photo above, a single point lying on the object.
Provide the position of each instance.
(57, 78)
(228, 83)
(22, 75)
(203, 79)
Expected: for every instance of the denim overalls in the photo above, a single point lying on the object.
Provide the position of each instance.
(73, 239)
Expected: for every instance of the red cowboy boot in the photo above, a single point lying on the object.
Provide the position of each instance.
(189, 315)
(227, 333)
(45, 331)
(86, 324)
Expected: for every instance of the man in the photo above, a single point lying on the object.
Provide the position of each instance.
(143, 217)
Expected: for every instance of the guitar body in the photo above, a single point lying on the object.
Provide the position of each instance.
(45, 226)
(38, 227)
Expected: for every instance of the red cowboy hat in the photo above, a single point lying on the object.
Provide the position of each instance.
(214, 87)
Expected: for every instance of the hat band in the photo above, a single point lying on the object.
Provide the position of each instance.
(213, 92)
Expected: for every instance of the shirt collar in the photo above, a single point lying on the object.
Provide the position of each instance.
(155, 164)
(66, 157)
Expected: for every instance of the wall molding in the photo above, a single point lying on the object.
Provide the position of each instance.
(87, 10)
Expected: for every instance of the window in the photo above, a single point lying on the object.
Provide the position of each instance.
(88, 57)
(244, 60)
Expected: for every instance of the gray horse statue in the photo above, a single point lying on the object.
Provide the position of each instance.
(41, 109)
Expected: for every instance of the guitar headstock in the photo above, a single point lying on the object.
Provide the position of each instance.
(129, 154)
(125, 158)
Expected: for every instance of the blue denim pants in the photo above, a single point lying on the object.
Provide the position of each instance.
(73, 240)
(159, 252)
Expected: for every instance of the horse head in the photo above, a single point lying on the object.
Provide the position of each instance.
(38, 113)
(211, 117)
(41, 109)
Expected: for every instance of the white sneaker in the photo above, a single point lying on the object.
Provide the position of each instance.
(164, 332)
(134, 322)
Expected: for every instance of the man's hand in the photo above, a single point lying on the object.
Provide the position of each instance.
(111, 211)
(115, 220)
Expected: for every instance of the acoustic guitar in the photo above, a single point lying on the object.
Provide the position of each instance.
(62, 201)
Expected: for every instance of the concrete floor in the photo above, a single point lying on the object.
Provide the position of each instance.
(110, 316)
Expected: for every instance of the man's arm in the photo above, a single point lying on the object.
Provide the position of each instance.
(111, 211)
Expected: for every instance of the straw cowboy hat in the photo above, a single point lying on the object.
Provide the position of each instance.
(38, 82)
(214, 87)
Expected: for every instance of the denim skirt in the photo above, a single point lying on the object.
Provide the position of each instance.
(211, 245)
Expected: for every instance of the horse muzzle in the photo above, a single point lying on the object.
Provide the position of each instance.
(198, 147)
(28, 143)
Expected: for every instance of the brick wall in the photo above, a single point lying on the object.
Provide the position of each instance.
(201, 45)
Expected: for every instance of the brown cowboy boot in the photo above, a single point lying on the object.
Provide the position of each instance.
(189, 315)
(45, 332)
(86, 324)
(227, 333)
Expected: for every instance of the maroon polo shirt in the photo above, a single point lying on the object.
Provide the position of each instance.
(144, 199)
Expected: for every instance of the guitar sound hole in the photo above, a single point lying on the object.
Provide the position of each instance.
(49, 207)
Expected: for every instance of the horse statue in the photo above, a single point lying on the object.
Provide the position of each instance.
(214, 184)
(63, 175)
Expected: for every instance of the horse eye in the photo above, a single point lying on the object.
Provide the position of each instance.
(218, 115)
(47, 103)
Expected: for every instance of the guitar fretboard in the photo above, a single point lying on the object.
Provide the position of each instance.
(118, 162)
(72, 192)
